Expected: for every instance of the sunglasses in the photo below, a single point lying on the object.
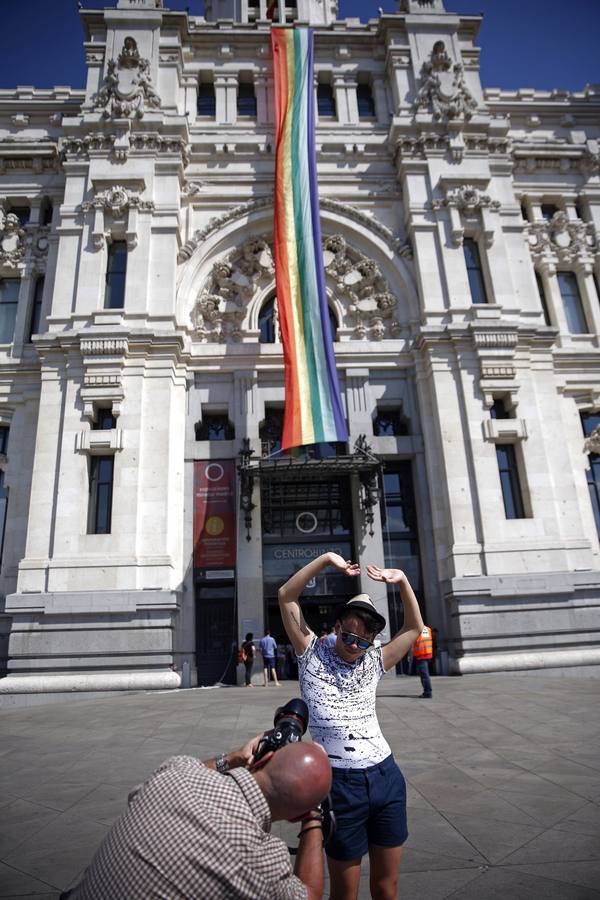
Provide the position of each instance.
(349, 638)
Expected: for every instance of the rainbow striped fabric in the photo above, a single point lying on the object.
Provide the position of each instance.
(313, 407)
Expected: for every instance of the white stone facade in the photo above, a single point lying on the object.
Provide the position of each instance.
(438, 161)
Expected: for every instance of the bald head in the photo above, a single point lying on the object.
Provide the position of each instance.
(295, 779)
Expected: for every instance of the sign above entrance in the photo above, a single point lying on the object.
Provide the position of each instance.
(214, 514)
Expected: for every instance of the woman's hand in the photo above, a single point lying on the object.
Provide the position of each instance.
(389, 576)
(343, 565)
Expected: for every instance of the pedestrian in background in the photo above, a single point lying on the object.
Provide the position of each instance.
(268, 648)
(422, 653)
(249, 653)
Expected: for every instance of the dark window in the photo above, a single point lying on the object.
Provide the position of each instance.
(116, 271)
(214, 427)
(366, 104)
(390, 423)
(597, 284)
(591, 421)
(4, 429)
(271, 430)
(571, 298)
(509, 481)
(266, 322)
(540, 286)
(22, 213)
(524, 213)
(474, 271)
(498, 410)
(400, 536)
(306, 510)
(580, 210)
(46, 213)
(104, 420)
(3, 512)
(246, 99)
(253, 10)
(548, 210)
(101, 491)
(325, 100)
(9, 298)
(332, 323)
(207, 105)
(36, 307)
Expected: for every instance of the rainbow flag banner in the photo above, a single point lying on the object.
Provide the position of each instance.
(313, 407)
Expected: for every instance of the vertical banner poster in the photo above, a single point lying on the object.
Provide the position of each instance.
(214, 514)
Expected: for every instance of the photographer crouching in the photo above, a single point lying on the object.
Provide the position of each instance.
(202, 829)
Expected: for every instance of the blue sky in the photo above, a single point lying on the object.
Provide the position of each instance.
(525, 43)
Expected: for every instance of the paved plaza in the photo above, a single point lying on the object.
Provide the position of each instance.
(503, 774)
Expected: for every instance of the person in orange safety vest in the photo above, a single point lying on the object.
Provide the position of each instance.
(422, 652)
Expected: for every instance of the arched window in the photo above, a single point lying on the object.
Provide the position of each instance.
(268, 323)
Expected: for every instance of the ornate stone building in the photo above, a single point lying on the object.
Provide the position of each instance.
(147, 515)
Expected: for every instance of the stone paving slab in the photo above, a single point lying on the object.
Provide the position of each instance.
(503, 775)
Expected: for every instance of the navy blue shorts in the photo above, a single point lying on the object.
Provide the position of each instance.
(370, 808)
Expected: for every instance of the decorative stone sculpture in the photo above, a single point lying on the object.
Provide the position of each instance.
(443, 87)
(562, 240)
(467, 201)
(356, 281)
(359, 281)
(221, 308)
(12, 241)
(116, 201)
(592, 442)
(129, 57)
(128, 89)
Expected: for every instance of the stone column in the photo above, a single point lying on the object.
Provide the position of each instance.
(380, 98)
(589, 295)
(226, 98)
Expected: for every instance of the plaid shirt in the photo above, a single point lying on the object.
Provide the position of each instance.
(190, 832)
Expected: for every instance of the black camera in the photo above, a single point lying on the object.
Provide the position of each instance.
(290, 723)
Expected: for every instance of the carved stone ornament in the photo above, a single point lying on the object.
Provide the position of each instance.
(234, 280)
(359, 281)
(562, 240)
(466, 202)
(129, 57)
(116, 201)
(469, 199)
(592, 442)
(443, 87)
(40, 242)
(128, 89)
(356, 281)
(12, 241)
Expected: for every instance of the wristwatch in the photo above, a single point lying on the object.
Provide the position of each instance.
(221, 764)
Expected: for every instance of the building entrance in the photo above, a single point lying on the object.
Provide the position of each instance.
(216, 629)
(300, 521)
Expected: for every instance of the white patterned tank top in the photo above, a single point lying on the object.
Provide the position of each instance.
(341, 700)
